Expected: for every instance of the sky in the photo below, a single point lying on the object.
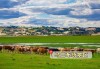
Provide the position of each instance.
(57, 13)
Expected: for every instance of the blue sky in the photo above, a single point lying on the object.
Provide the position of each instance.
(59, 13)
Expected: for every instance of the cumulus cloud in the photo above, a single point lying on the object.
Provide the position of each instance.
(11, 3)
(8, 14)
(62, 13)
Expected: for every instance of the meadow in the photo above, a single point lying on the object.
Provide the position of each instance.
(35, 61)
(51, 39)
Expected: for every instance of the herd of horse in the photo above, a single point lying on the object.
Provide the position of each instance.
(41, 49)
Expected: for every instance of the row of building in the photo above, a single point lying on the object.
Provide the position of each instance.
(45, 31)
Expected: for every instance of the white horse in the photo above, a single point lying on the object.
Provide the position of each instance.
(98, 50)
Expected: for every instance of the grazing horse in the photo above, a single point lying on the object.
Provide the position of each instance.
(22, 49)
(76, 49)
(64, 49)
(91, 50)
(9, 48)
(42, 50)
(98, 50)
(1, 47)
(34, 49)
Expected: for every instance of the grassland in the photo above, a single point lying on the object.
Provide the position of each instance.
(51, 39)
(35, 61)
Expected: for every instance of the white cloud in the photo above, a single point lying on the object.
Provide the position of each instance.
(14, 0)
(79, 8)
(82, 11)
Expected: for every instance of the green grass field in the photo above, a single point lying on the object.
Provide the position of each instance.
(35, 61)
(51, 39)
